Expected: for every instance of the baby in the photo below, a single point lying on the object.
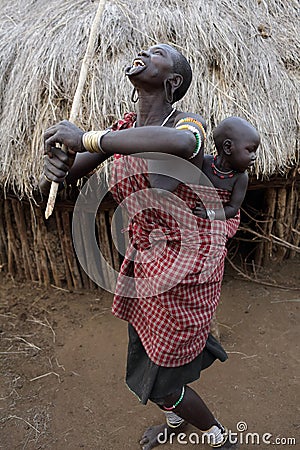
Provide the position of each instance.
(236, 141)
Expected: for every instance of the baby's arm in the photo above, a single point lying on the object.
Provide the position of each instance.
(237, 196)
(231, 208)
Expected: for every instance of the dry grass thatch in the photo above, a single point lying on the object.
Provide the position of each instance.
(244, 54)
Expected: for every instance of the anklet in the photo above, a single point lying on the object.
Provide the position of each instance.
(177, 403)
(216, 436)
(173, 421)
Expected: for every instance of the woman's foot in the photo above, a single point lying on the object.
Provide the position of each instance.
(228, 444)
(158, 434)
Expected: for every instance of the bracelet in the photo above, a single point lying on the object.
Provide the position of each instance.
(92, 141)
(47, 179)
(196, 134)
(192, 120)
(211, 214)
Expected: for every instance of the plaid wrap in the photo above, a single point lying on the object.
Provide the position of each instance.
(170, 280)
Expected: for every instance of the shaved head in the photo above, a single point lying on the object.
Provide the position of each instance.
(235, 129)
(182, 67)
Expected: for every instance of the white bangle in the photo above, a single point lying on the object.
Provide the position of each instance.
(211, 214)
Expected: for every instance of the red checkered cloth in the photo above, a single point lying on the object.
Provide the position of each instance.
(170, 281)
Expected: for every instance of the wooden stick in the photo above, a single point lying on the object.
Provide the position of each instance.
(3, 237)
(78, 94)
(270, 238)
(13, 250)
(280, 220)
(263, 282)
(43, 260)
(22, 232)
(63, 249)
(296, 228)
(271, 193)
(68, 248)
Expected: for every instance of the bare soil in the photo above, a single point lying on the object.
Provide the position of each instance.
(63, 360)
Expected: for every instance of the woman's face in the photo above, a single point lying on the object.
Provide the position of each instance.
(151, 66)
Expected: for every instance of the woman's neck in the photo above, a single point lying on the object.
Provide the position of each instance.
(152, 110)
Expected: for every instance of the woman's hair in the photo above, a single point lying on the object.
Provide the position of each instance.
(181, 66)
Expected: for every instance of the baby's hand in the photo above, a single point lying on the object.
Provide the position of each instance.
(199, 211)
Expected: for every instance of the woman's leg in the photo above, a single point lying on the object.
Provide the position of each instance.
(191, 408)
(186, 406)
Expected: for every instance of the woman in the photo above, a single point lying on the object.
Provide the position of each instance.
(169, 341)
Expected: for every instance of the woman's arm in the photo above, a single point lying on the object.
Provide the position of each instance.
(150, 139)
(126, 142)
(84, 164)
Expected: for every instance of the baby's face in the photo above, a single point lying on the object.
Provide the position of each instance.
(244, 153)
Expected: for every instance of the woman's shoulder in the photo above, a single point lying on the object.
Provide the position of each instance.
(185, 115)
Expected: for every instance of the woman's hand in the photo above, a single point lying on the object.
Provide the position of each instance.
(56, 166)
(63, 133)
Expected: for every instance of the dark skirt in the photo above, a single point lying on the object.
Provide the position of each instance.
(149, 381)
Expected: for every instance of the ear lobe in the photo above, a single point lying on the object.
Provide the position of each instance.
(176, 80)
(227, 146)
(171, 84)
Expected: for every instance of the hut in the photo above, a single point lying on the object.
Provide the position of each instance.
(245, 59)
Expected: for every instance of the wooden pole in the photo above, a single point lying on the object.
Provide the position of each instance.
(3, 237)
(78, 94)
(280, 221)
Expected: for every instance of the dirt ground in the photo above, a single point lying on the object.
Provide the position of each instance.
(63, 363)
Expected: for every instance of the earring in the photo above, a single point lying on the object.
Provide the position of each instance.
(168, 91)
(134, 96)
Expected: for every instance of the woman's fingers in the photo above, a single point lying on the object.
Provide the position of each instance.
(54, 174)
(65, 133)
(51, 138)
(56, 166)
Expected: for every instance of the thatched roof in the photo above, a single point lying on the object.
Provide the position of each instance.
(244, 54)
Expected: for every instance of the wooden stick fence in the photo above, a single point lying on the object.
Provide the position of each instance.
(35, 249)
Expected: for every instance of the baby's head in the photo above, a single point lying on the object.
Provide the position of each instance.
(236, 140)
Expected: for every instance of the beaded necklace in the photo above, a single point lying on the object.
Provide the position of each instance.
(219, 173)
(164, 121)
(168, 117)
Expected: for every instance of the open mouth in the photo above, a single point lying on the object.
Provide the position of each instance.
(138, 63)
(137, 66)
